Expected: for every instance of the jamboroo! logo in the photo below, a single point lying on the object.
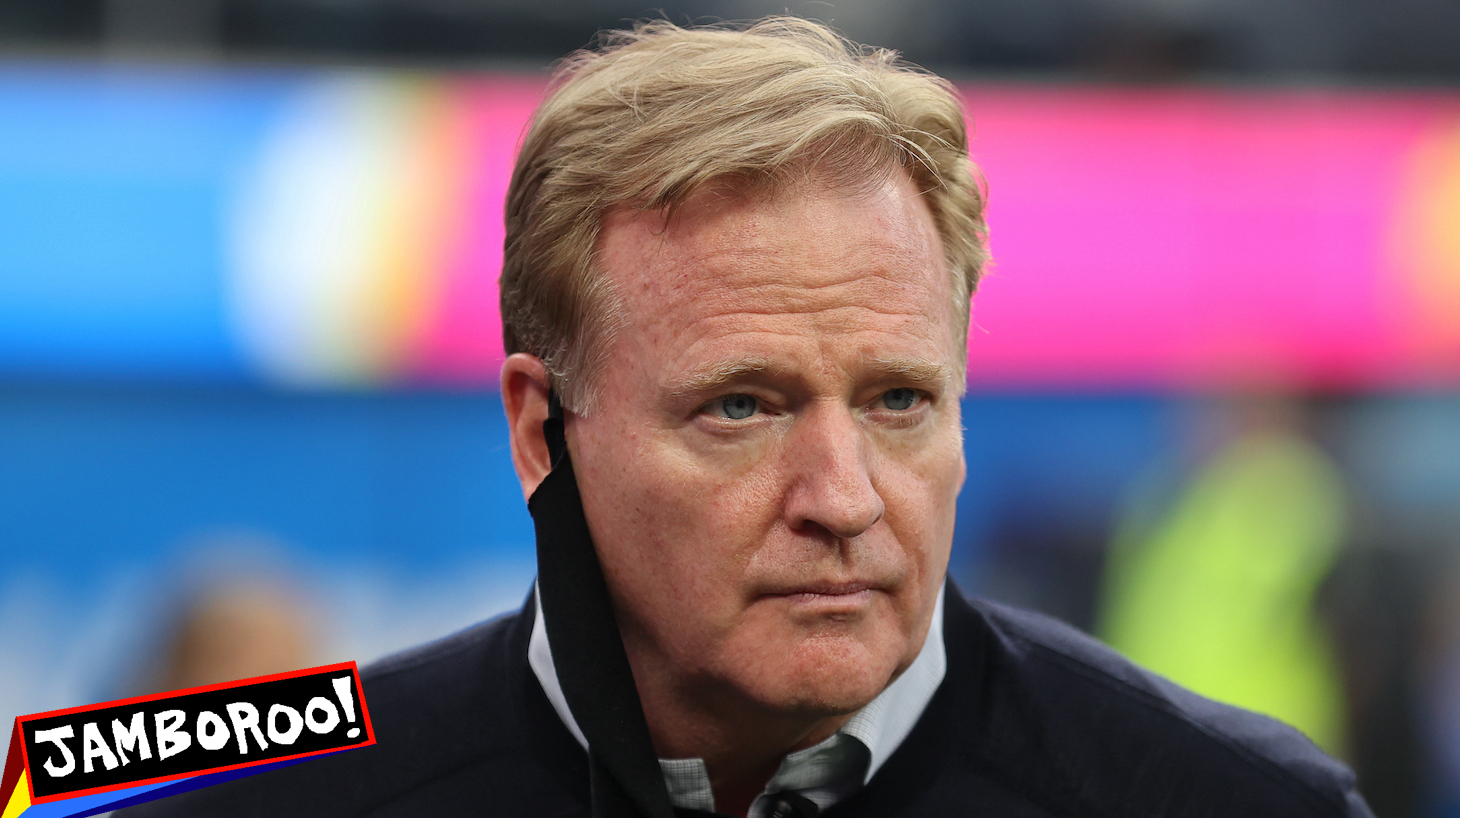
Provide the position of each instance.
(125, 752)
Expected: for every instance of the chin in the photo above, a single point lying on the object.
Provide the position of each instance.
(823, 675)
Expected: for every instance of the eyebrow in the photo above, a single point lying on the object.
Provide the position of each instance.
(896, 367)
(913, 370)
(720, 375)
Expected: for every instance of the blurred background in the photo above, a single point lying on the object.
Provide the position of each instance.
(249, 339)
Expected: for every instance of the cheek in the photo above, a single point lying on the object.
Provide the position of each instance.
(674, 533)
(921, 494)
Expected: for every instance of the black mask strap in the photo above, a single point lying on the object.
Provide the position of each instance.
(588, 651)
(557, 443)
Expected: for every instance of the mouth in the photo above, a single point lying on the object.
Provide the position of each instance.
(828, 595)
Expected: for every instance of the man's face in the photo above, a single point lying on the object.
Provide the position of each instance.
(771, 471)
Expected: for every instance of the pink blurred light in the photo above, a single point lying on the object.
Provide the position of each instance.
(1166, 237)
(1142, 237)
(464, 342)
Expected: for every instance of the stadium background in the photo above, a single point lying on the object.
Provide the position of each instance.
(248, 338)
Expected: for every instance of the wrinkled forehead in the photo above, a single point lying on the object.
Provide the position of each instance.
(785, 274)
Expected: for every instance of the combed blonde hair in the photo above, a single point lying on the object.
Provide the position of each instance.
(653, 115)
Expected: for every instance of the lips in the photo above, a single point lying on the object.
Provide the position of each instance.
(827, 589)
(827, 595)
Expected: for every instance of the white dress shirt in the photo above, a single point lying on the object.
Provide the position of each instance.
(826, 772)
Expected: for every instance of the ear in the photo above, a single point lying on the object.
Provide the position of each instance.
(525, 397)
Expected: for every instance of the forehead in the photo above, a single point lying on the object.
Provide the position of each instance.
(808, 262)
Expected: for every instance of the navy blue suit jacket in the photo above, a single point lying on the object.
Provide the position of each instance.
(1033, 720)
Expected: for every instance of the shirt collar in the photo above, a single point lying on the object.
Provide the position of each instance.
(820, 772)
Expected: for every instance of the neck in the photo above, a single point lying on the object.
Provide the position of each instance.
(741, 742)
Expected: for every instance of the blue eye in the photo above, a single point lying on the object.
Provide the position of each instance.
(900, 400)
(734, 407)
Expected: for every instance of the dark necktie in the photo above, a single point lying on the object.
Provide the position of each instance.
(788, 804)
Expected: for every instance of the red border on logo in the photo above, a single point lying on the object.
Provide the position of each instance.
(172, 694)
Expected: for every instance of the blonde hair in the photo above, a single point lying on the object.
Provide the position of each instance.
(651, 116)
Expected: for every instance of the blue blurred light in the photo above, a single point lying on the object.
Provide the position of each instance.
(113, 187)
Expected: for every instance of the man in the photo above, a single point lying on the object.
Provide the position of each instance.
(735, 297)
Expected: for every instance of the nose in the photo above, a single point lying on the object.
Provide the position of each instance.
(832, 486)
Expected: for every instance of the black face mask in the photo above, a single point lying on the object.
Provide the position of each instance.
(588, 651)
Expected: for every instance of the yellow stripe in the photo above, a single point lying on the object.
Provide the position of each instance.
(1427, 245)
(414, 195)
(20, 799)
